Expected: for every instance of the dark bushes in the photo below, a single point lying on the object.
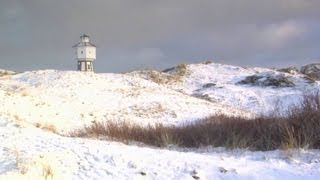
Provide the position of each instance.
(299, 127)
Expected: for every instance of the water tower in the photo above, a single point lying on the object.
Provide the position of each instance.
(86, 53)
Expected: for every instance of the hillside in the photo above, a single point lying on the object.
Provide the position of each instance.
(38, 109)
(254, 90)
(67, 100)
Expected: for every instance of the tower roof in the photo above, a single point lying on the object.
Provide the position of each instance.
(83, 43)
(80, 44)
(84, 35)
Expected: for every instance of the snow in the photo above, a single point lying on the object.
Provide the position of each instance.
(69, 99)
(227, 91)
(63, 101)
(75, 158)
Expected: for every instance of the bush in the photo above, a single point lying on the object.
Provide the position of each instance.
(299, 127)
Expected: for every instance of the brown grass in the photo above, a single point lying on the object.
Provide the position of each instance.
(299, 127)
(47, 127)
(167, 78)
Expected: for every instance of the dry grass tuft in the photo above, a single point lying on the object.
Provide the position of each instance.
(39, 167)
(298, 128)
(166, 78)
(20, 162)
(181, 70)
(46, 126)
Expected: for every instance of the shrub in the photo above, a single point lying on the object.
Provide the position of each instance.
(299, 127)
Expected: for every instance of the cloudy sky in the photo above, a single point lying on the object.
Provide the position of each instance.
(136, 34)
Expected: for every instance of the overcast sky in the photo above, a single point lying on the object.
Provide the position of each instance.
(136, 34)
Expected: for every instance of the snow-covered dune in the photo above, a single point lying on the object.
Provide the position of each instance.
(255, 98)
(69, 100)
(63, 101)
(221, 84)
(4, 72)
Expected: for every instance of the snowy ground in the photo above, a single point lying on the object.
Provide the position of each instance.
(225, 90)
(63, 101)
(74, 158)
(72, 99)
(253, 98)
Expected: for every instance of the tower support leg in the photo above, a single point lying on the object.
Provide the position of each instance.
(85, 66)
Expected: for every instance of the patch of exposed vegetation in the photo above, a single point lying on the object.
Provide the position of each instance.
(160, 77)
(312, 71)
(268, 80)
(208, 62)
(299, 127)
(208, 85)
(181, 70)
(202, 96)
(309, 79)
(5, 73)
(171, 75)
(290, 70)
(47, 127)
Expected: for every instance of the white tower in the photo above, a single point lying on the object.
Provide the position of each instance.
(86, 53)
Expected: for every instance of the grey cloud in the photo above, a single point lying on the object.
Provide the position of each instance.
(147, 33)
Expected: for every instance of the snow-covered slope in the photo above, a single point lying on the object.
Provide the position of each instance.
(69, 100)
(254, 98)
(4, 72)
(64, 100)
(222, 84)
(29, 153)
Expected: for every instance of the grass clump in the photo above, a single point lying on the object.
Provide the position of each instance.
(171, 75)
(299, 127)
(47, 127)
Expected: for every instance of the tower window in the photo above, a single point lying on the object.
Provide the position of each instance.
(81, 52)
